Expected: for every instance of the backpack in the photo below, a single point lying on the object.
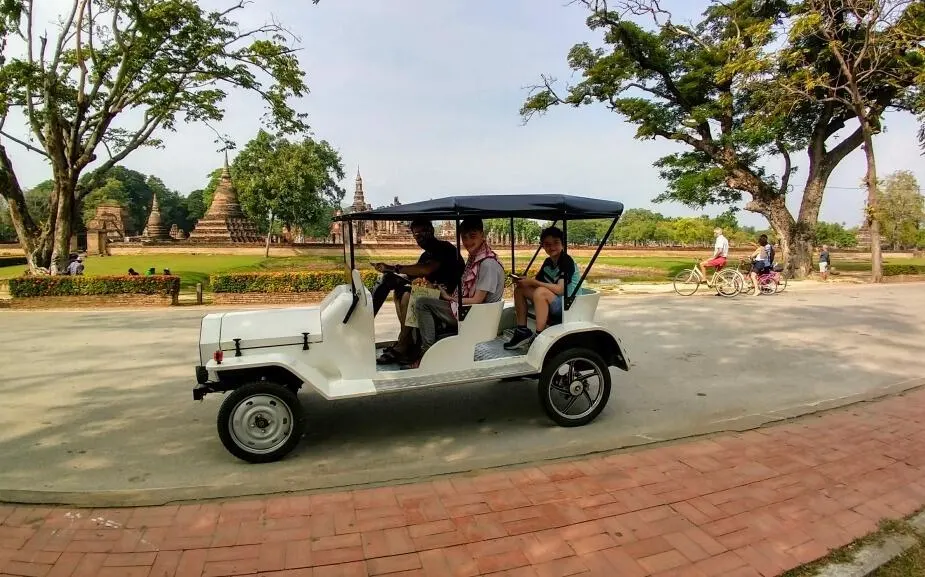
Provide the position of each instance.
(771, 254)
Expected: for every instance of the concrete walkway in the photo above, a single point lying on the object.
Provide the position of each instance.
(750, 504)
(97, 406)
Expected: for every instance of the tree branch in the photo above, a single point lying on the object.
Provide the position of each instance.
(788, 170)
(25, 144)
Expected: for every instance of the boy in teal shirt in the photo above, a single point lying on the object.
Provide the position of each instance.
(557, 278)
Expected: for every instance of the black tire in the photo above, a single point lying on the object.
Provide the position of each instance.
(585, 359)
(276, 405)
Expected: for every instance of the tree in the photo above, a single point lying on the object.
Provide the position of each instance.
(863, 56)
(160, 61)
(7, 232)
(195, 208)
(704, 86)
(295, 183)
(112, 191)
(900, 209)
(835, 234)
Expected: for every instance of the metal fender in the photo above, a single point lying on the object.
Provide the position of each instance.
(579, 334)
(251, 364)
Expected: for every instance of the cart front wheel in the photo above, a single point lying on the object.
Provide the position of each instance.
(574, 387)
(260, 422)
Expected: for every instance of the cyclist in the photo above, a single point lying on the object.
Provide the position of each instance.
(761, 261)
(720, 252)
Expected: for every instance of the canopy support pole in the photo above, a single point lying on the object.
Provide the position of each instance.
(600, 247)
(513, 242)
(537, 252)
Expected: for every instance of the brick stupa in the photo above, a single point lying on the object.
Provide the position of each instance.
(155, 229)
(225, 222)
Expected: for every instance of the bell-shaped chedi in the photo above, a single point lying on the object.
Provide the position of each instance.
(155, 229)
(225, 221)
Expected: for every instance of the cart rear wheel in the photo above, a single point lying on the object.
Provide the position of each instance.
(574, 387)
(260, 422)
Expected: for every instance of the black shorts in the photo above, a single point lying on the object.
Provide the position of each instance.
(759, 267)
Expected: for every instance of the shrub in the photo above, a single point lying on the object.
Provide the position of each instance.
(284, 282)
(900, 269)
(42, 286)
(12, 261)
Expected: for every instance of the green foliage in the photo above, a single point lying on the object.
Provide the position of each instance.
(12, 261)
(835, 235)
(115, 73)
(112, 191)
(7, 232)
(525, 229)
(195, 208)
(134, 191)
(683, 84)
(42, 286)
(38, 200)
(902, 269)
(297, 181)
(900, 209)
(284, 282)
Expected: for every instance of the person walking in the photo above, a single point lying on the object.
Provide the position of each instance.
(824, 260)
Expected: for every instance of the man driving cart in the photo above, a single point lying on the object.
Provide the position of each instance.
(439, 265)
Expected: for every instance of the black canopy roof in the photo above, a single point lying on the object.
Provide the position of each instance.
(538, 206)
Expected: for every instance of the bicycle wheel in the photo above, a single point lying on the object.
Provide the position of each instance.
(686, 282)
(728, 282)
(781, 282)
(767, 285)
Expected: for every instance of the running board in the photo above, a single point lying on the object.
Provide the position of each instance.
(520, 369)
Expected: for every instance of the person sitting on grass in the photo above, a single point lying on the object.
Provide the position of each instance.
(557, 278)
(482, 282)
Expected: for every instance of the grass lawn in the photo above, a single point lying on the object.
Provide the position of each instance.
(910, 563)
(196, 268)
(862, 265)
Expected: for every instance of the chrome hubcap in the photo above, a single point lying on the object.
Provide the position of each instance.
(261, 423)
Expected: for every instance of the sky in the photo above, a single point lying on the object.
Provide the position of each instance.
(423, 98)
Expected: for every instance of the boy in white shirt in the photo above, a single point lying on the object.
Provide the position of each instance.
(720, 252)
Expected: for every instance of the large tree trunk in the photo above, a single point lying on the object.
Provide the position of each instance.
(46, 247)
(64, 224)
(795, 242)
(876, 253)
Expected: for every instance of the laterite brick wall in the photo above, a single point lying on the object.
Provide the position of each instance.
(93, 301)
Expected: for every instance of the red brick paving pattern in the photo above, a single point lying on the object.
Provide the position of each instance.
(741, 505)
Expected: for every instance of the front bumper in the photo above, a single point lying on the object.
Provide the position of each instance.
(204, 386)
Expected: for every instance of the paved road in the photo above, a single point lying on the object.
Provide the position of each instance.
(97, 407)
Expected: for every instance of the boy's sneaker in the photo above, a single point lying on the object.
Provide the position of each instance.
(521, 335)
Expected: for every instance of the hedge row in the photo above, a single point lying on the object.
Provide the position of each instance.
(901, 269)
(284, 282)
(42, 286)
(12, 261)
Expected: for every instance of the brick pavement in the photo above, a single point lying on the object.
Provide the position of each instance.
(737, 505)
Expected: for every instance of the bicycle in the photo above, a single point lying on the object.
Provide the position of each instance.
(781, 276)
(767, 281)
(727, 281)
